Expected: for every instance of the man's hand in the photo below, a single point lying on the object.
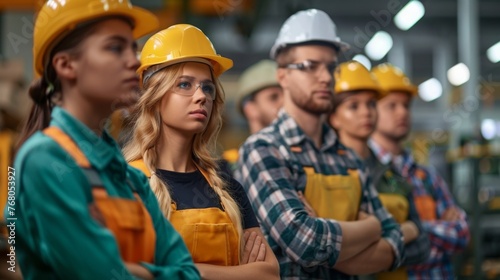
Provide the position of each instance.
(451, 214)
(255, 249)
(362, 215)
(410, 231)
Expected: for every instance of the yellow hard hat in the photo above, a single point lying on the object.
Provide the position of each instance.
(353, 76)
(180, 43)
(57, 18)
(258, 76)
(392, 79)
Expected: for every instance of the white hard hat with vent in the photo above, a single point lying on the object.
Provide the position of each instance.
(308, 26)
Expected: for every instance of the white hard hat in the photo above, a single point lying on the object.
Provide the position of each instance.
(308, 26)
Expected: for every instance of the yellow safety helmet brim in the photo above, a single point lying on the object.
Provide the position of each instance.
(219, 64)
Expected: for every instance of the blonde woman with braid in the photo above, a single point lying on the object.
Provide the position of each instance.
(177, 122)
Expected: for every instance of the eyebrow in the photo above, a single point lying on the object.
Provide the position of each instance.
(191, 78)
(122, 40)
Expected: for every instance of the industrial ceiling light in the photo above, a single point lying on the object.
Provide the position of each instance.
(379, 45)
(410, 14)
(458, 74)
(363, 60)
(488, 129)
(430, 90)
(493, 53)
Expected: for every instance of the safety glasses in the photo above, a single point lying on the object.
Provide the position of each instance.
(311, 66)
(187, 87)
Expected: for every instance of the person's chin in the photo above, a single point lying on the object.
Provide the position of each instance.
(127, 99)
(401, 134)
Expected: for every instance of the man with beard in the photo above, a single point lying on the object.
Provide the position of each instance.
(345, 230)
(441, 218)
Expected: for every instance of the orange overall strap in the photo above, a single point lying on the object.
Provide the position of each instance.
(139, 164)
(68, 145)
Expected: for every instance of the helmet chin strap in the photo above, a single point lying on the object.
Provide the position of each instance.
(156, 68)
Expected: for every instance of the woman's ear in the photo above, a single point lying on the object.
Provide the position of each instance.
(63, 66)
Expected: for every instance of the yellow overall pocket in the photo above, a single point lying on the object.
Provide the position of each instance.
(333, 196)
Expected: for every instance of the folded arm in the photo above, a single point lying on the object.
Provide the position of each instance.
(268, 268)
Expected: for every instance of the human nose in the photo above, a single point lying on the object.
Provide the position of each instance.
(325, 75)
(365, 110)
(199, 95)
(133, 60)
(403, 111)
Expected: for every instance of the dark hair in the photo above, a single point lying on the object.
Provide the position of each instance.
(338, 98)
(44, 90)
(285, 56)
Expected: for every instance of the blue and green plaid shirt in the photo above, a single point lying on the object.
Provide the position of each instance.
(271, 172)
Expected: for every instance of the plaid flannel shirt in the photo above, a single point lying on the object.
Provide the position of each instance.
(271, 172)
(446, 237)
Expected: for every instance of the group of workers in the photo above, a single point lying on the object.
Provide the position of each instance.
(322, 188)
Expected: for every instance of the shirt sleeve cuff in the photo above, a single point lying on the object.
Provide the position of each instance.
(397, 257)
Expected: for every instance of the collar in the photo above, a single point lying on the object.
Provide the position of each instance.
(403, 163)
(382, 155)
(295, 136)
(98, 150)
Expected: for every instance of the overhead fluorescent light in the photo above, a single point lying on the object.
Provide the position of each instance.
(410, 14)
(488, 129)
(458, 74)
(363, 60)
(493, 53)
(379, 45)
(430, 90)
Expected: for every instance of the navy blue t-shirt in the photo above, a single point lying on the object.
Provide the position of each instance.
(191, 190)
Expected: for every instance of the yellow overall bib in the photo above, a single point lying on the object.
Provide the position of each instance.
(209, 233)
(399, 208)
(333, 196)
